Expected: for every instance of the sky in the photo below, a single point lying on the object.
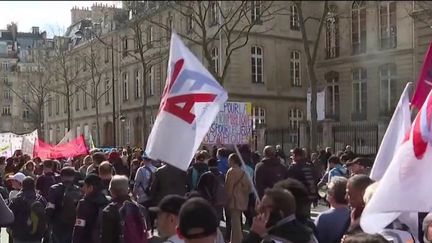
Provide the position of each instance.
(51, 16)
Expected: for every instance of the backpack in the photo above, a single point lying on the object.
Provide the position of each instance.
(133, 223)
(71, 196)
(35, 224)
(195, 178)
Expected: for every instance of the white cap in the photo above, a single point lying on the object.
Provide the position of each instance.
(18, 177)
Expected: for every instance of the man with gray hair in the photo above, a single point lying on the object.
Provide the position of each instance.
(123, 213)
(332, 224)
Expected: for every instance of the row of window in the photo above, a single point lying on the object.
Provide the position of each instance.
(295, 116)
(387, 28)
(388, 91)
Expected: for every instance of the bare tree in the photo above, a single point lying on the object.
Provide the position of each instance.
(311, 57)
(421, 11)
(63, 67)
(33, 92)
(229, 22)
(92, 60)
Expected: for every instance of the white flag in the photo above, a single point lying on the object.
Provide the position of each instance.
(191, 101)
(68, 136)
(406, 185)
(398, 127)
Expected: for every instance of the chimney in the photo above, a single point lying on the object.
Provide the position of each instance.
(35, 30)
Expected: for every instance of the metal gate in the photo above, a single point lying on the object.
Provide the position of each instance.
(362, 137)
(286, 137)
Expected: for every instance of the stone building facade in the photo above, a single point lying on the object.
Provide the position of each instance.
(276, 86)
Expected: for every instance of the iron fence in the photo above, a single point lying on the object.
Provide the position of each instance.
(362, 137)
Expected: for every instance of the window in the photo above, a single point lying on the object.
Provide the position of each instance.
(84, 92)
(51, 135)
(359, 78)
(295, 117)
(189, 23)
(295, 69)
(294, 23)
(387, 21)
(151, 81)
(388, 89)
(169, 24)
(57, 134)
(77, 66)
(107, 54)
(256, 11)
(150, 37)
(127, 135)
(213, 13)
(85, 63)
(215, 60)
(258, 116)
(138, 86)
(6, 80)
(50, 105)
(86, 131)
(125, 87)
(332, 33)
(26, 113)
(6, 110)
(257, 64)
(332, 95)
(125, 46)
(5, 66)
(7, 94)
(25, 98)
(107, 93)
(152, 120)
(77, 102)
(78, 130)
(358, 27)
(57, 104)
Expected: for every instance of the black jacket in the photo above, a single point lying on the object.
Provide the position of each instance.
(167, 180)
(292, 231)
(267, 173)
(201, 168)
(87, 214)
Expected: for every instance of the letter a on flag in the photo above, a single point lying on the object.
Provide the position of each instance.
(190, 102)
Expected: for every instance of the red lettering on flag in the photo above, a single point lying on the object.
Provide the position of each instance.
(189, 100)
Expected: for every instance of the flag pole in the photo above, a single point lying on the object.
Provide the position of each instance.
(257, 199)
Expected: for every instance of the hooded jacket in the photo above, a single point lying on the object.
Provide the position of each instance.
(267, 173)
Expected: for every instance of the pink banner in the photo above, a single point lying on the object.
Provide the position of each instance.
(73, 148)
(424, 82)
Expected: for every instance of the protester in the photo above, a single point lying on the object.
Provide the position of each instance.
(16, 184)
(123, 220)
(281, 154)
(211, 186)
(106, 172)
(86, 163)
(238, 188)
(365, 238)
(167, 180)
(358, 166)
(196, 170)
(119, 166)
(427, 228)
(333, 223)
(28, 169)
(7, 216)
(335, 168)
(61, 207)
(89, 211)
(135, 164)
(30, 223)
(303, 172)
(301, 197)
(167, 217)
(222, 159)
(143, 180)
(269, 171)
(198, 222)
(97, 159)
(2, 167)
(355, 190)
(47, 179)
(276, 221)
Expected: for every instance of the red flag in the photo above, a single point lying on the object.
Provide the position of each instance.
(73, 148)
(424, 82)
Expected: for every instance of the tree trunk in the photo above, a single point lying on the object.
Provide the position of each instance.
(68, 111)
(97, 122)
(144, 108)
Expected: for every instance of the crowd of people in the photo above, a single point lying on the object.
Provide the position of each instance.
(124, 196)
